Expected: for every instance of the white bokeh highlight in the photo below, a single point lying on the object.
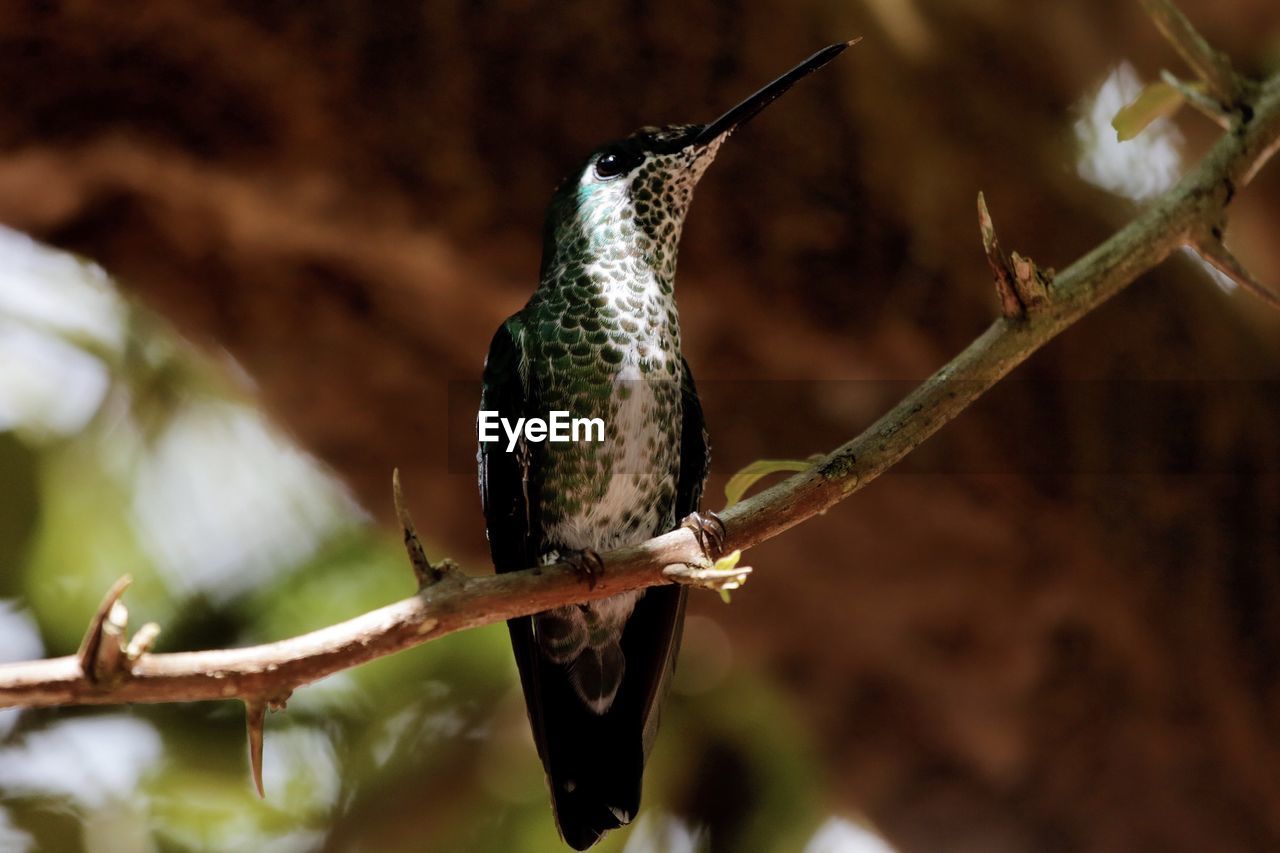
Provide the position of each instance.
(110, 754)
(19, 640)
(838, 835)
(56, 311)
(13, 839)
(50, 289)
(224, 504)
(663, 833)
(1138, 168)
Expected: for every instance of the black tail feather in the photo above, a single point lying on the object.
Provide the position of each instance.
(605, 795)
(595, 762)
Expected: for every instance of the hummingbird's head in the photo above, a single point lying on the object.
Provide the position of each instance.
(635, 192)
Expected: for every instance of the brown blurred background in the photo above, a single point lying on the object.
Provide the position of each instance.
(1056, 630)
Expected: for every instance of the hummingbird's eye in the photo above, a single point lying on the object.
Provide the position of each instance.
(614, 163)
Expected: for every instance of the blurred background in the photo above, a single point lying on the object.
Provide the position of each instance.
(1054, 628)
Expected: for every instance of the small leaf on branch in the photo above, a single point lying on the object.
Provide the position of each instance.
(722, 576)
(1158, 100)
(727, 564)
(742, 481)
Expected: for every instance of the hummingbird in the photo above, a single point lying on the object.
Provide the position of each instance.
(600, 338)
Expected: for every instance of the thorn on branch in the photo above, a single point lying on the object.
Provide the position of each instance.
(255, 717)
(1195, 95)
(999, 263)
(1031, 282)
(1212, 67)
(102, 651)
(142, 641)
(1216, 253)
(1022, 287)
(425, 573)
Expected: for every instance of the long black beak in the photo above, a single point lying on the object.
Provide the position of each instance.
(746, 110)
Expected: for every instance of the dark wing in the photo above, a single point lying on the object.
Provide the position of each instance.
(658, 622)
(579, 749)
(695, 448)
(507, 479)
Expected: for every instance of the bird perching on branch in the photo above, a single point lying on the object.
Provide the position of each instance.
(600, 338)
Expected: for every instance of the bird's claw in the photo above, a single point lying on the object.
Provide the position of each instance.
(588, 564)
(709, 531)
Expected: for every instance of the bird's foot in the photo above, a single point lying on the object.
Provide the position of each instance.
(709, 530)
(588, 564)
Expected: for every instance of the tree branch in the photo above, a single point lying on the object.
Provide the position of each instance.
(1210, 65)
(1196, 95)
(453, 602)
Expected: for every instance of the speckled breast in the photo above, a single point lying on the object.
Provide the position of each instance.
(614, 357)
